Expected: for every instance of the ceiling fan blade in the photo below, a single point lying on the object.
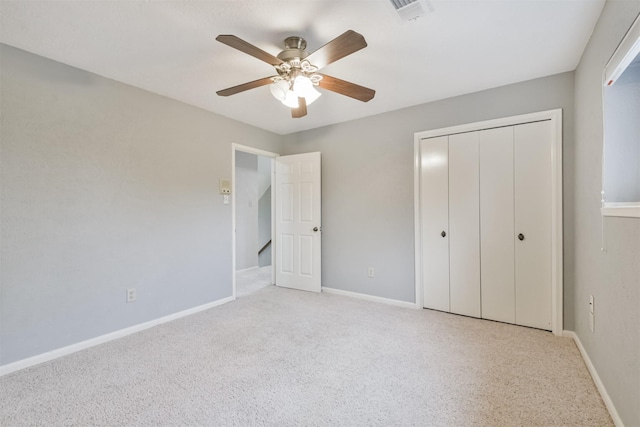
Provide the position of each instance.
(248, 48)
(301, 111)
(342, 87)
(338, 48)
(245, 86)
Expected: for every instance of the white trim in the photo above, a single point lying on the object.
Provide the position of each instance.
(258, 152)
(252, 150)
(555, 116)
(557, 230)
(83, 345)
(624, 55)
(627, 210)
(372, 298)
(596, 379)
(489, 124)
(417, 241)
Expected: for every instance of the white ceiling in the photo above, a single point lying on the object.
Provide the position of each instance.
(169, 47)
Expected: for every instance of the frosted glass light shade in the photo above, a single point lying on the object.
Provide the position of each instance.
(290, 99)
(312, 95)
(303, 87)
(279, 90)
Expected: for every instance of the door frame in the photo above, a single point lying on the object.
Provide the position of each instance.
(555, 116)
(258, 152)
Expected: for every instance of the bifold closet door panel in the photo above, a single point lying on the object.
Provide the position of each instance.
(434, 209)
(464, 224)
(497, 224)
(533, 224)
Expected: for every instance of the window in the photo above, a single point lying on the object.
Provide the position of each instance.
(621, 158)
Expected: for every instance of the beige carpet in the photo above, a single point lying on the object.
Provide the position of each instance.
(251, 280)
(283, 357)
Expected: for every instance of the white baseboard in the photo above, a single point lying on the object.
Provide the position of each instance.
(54, 354)
(596, 379)
(369, 297)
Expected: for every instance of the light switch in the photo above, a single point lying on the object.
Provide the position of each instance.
(225, 186)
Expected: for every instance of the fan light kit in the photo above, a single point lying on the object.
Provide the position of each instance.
(296, 76)
(297, 79)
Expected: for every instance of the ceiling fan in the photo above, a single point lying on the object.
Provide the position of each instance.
(294, 85)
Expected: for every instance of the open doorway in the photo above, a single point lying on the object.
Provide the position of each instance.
(253, 213)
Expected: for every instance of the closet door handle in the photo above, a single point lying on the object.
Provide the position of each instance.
(521, 236)
(443, 234)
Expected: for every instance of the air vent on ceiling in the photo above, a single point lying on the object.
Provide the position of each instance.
(409, 10)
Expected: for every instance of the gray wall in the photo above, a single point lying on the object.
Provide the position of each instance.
(367, 183)
(246, 210)
(253, 210)
(612, 277)
(264, 210)
(106, 187)
(264, 228)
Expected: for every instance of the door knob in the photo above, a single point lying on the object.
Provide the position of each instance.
(521, 236)
(315, 228)
(443, 234)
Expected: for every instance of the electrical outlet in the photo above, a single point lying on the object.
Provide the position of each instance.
(131, 294)
(371, 272)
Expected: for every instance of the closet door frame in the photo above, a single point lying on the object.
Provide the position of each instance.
(555, 116)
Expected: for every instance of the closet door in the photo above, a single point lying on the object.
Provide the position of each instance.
(497, 224)
(434, 188)
(533, 153)
(464, 224)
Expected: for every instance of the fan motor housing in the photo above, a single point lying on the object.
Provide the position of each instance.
(294, 48)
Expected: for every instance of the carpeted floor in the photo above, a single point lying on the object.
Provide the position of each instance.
(251, 280)
(284, 357)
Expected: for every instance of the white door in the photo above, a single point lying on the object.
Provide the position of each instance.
(434, 187)
(532, 145)
(298, 222)
(464, 224)
(497, 224)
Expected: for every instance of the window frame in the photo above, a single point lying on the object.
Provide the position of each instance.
(625, 54)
